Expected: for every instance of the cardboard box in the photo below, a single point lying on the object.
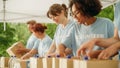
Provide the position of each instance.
(66, 63)
(55, 62)
(12, 50)
(76, 63)
(18, 63)
(47, 62)
(96, 64)
(93, 63)
(36, 62)
(25, 64)
(4, 62)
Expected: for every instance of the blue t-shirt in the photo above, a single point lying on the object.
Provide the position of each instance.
(43, 45)
(64, 35)
(31, 41)
(101, 28)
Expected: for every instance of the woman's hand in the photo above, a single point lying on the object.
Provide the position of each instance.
(108, 52)
(86, 47)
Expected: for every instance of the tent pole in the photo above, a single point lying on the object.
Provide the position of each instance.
(4, 14)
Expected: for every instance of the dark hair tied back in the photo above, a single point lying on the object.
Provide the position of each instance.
(39, 28)
(65, 9)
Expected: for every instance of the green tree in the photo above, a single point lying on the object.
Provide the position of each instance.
(22, 33)
(6, 38)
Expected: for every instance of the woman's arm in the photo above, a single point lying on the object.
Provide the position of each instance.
(110, 51)
(52, 48)
(29, 54)
(116, 36)
(102, 42)
(105, 42)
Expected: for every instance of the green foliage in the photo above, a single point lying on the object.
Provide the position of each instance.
(51, 29)
(6, 38)
(107, 13)
(18, 32)
(22, 33)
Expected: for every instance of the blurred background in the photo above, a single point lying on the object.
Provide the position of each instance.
(15, 32)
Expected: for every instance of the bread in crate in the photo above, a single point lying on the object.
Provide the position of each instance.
(12, 50)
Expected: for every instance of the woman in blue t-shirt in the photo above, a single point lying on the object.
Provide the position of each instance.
(62, 42)
(89, 26)
(112, 45)
(42, 44)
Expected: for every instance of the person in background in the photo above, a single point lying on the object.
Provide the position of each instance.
(62, 42)
(42, 44)
(112, 44)
(31, 39)
(89, 26)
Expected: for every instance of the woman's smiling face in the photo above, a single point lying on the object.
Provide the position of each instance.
(77, 15)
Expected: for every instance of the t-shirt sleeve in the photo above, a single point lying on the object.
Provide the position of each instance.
(36, 45)
(49, 42)
(117, 17)
(110, 29)
(67, 39)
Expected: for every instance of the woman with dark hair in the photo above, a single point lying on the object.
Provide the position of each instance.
(64, 32)
(89, 26)
(42, 44)
(112, 44)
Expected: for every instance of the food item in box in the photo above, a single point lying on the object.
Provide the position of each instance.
(12, 50)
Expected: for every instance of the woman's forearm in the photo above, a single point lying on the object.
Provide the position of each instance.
(52, 49)
(29, 54)
(117, 45)
(105, 42)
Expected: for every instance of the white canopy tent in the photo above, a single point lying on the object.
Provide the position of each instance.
(19, 11)
(24, 10)
(106, 3)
